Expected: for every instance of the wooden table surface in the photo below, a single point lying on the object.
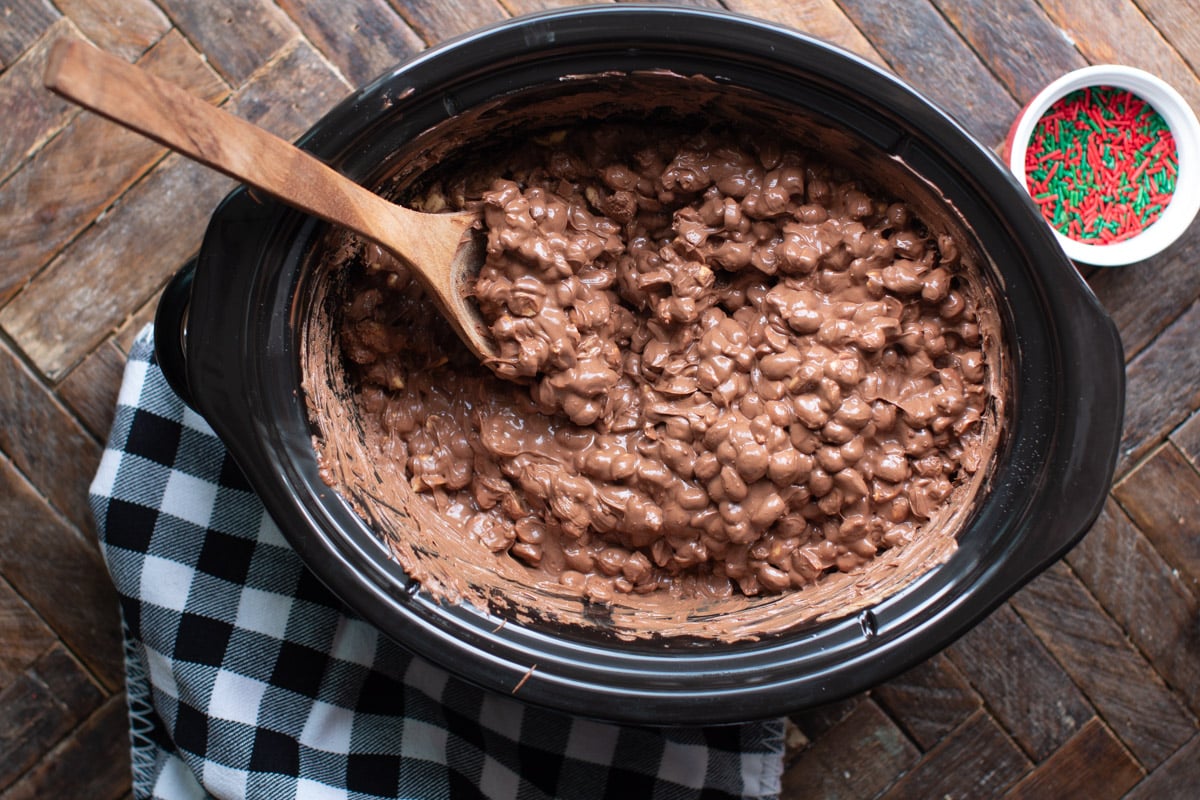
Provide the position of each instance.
(1086, 684)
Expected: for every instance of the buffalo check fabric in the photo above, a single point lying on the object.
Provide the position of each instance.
(245, 677)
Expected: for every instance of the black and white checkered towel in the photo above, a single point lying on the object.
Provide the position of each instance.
(247, 678)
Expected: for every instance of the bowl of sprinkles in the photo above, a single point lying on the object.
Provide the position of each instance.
(1111, 157)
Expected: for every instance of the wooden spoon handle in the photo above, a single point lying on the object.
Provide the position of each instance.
(436, 245)
(136, 99)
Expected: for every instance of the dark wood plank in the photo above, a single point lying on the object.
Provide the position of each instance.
(1021, 684)
(68, 681)
(1006, 33)
(1093, 764)
(1187, 438)
(1117, 32)
(1161, 497)
(518, 7)
(32, 115)
(362, 39)
(127, 31)
(924, 50)
(1161, 388)
(859, 757)
(435, 22)
(23, 635)
(977, 760)
(41, 707)
(1146, 596)
(237, 36)
(1177, 777)
(1093, 649)
(102, 743)
(90, 390)
(87, 290)
(820, 18)
(929, 700)
(815, 722)
(97, 160)
(136, 322)
(31, 723)
(700, 3)
(60, 574)
(53, 450)
(1144, 298)
(20, 26)
(116, 265)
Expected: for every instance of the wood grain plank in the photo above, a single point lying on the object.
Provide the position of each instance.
(32, 115)
(1176, 20)
(60, 574)
(20, 26)
(97, 160)
(41, 707)
(1006, 33)
(1117, 32)
(1144, 298)
(1021, 684)
(50, 446)
(101, 742)
(1187, 438)
(1093, 649)
(237, 36)
(977, 760)
(929, 700)
(23, 635)
(815, 722)
(1162, 497)
(86, 291)
(435, 22)
(1161, 389)
(362, 39)
(127, 29)
(701, 3)
(859, 757)
(1093, 764)
(820, 18)
(923, 49)
(1177, 777)
(68, 681)
(518, 7)
(90, 390)
(1146, 596)
(136, 322)
(128, 255)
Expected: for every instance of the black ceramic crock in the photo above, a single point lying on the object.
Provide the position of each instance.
(228, 333)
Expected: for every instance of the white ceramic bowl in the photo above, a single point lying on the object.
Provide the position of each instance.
(1180, 118)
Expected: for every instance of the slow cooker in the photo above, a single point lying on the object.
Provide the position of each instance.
(229, 333)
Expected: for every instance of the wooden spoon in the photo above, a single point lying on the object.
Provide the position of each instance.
(441, 248)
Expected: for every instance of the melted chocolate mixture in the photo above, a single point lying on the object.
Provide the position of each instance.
(726, 368)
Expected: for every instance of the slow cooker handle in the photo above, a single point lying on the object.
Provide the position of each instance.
(170, 330)
(1088, 451)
